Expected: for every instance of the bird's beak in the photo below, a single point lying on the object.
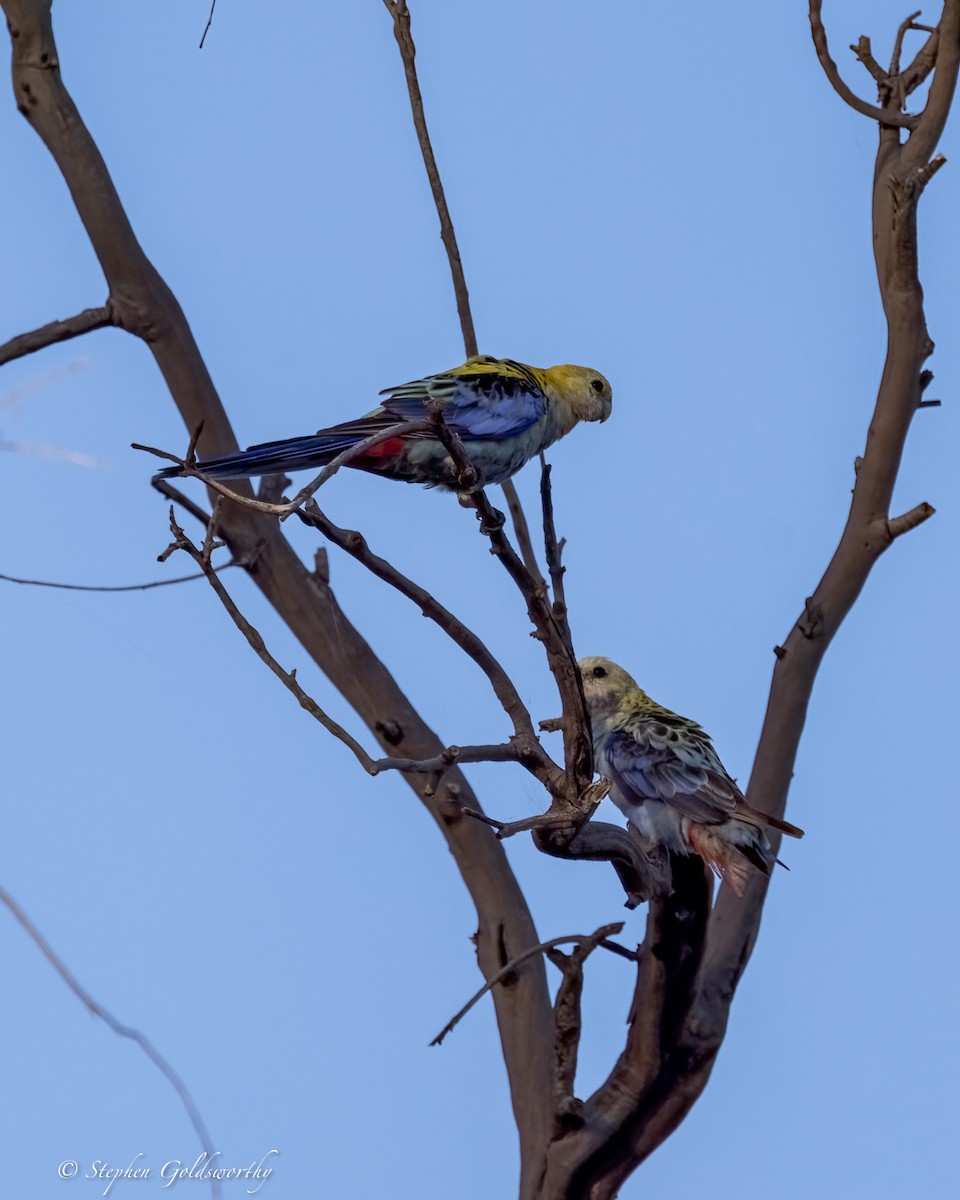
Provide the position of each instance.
(607, 410)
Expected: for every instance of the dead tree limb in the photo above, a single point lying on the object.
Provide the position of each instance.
(700, 1015)
(143, 304)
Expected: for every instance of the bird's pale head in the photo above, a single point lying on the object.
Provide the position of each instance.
(607, 688)
(585, 393)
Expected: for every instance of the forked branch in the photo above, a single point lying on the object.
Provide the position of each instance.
(887, 115)
(586, 943)
(515, 750)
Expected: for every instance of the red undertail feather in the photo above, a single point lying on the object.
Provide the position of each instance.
(388, 449)
(723, 860)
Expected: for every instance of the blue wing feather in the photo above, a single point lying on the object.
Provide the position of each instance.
(490, 405)
(644, 767)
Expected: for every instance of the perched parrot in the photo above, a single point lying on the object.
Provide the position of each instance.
(504, 412)
(668, 781)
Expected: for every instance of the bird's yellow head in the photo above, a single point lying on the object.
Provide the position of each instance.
(586, 393)
(605, 686)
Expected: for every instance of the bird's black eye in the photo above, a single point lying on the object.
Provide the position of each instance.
(597, 385)
(599, 672)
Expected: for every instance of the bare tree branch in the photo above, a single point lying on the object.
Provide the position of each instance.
(522, 531)
(516, 750)
(910, 520)
(557, 818)
(891, 83)
(568, 1022)
(886, 116)
(56, 331)
(641, 874)
(408, 52)
(529, 751)
(128, 587)
(918, 71)
(905, 26)
(554, 553)
(169, 492)
(577, 744)
(594, 1158)
(257, 644)
(206, 28)
(923, 142)
(864, 53)
(591, 940)
(869, 531)
(680, 1012)
(97, 1009)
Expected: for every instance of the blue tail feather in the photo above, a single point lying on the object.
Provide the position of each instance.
(270, 458)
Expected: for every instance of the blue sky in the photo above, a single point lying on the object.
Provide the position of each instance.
(682, 206)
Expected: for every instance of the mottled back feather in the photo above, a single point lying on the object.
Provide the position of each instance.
(486, 398)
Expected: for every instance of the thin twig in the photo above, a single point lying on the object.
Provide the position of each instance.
(522, 531)
(256, 642)
(512, 965)
(56, 331)
(400, 13)
(512, 751)
(128, 587)
(553, 548)
(577, 745)
(206, 28)
(401, 28)
(578, 753)
(167, 490)
(210, 542)
(109, 1019)
(549, 820)
(401, 429)
(530, 752)
(555, 818)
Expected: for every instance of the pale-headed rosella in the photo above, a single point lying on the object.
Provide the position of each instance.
(668, 780)
(504, 412)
